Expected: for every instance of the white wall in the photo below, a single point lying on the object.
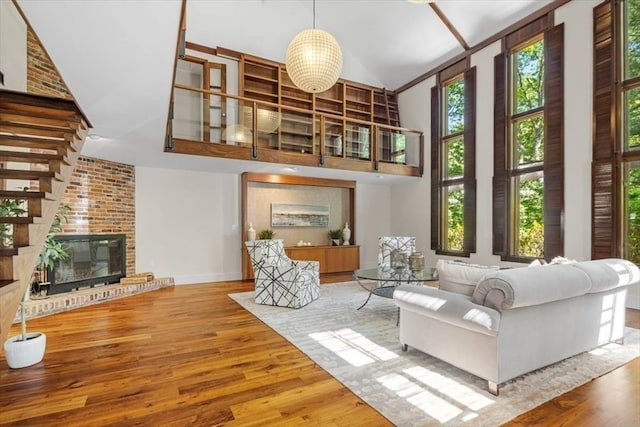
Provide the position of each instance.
(373, 219)
(13, 47)
(188, 224)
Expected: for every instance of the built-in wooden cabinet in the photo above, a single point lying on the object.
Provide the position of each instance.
(268, 81)
(332, 259)
(346, 135)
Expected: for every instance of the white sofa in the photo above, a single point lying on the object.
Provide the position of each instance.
(518, 320)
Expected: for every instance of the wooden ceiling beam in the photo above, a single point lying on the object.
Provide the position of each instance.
(449, 25)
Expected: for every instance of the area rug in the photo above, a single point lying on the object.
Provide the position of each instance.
(360, 348)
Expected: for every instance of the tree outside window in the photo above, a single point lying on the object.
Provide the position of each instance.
(527, 150)
(452, 170)
(630, 157)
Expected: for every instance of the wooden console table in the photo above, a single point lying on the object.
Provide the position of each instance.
(332, 259)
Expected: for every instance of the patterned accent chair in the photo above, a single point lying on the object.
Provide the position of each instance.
(280, 280)
(387, 244)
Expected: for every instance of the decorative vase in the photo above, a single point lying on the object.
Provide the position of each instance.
(398, 259)
(251, 234)
(21, 354)
(416, 262)
(346, 233)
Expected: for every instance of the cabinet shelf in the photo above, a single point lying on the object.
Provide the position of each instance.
(261, 78)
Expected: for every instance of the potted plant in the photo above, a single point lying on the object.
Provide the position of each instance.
(9, 208)
(335, 236)
(27, 349)
(266, 234)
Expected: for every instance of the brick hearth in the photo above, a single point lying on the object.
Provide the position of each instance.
(57, 303)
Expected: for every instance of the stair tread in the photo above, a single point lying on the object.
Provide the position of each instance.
(16, 219)
(9, 251)
(40, 143)
(22, 156)
(7, 194)
(67, 120)
(27, 174)
(32, 124)
(4, 283)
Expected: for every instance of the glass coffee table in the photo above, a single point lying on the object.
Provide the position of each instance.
(382, 281)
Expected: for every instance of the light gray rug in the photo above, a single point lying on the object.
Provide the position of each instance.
(361, 350)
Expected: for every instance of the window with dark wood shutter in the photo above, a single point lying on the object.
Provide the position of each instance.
(554, 151)
(603, 176)
(500, 211)
(440, 141)
(470, 161)
(507, 171)
(435, 169)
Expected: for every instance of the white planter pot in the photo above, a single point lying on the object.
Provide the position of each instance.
(21, 354)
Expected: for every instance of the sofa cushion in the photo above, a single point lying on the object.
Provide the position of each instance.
(461, 277)
(610, 273)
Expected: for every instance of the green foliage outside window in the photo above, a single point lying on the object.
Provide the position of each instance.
(631, 132)
(453, 166)
(530, 220)
(632, 214)
(527, 141)
(454, 96)
(455, 220)
(529, 77)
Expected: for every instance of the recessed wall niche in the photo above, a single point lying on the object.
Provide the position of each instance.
(260, 197)
(260, 191)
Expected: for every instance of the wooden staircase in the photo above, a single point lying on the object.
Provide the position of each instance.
(40, 141)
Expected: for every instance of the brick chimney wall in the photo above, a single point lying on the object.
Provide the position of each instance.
(101, 195)
(42, 76)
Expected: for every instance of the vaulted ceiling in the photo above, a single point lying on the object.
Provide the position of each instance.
(117, 56)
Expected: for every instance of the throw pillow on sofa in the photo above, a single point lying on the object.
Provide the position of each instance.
(461, 277)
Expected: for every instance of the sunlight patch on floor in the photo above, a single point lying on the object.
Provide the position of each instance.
(432, 405)
(449, 387)
(354, 348)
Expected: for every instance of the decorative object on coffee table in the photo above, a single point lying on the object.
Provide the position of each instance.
(416, 261)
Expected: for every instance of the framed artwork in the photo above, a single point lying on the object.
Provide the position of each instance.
(297, 215)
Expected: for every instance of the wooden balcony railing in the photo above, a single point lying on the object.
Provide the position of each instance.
(223, 125)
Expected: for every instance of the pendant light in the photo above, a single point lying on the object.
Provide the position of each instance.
(314, 59)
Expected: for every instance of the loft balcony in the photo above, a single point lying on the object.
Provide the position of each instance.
(215, 124)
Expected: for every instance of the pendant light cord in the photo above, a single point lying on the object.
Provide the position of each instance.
(314, 14)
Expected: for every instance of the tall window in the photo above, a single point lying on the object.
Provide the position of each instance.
(616, 161)
(453, 184)
(630, 159)
(528, 153)
(526, 130)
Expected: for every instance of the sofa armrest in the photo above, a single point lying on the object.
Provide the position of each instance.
(447, 307)
(522, 287)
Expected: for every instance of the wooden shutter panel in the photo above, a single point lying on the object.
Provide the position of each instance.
(603, 177)
(469, 244)
(435, 156)
(500, 216)
(554, 147)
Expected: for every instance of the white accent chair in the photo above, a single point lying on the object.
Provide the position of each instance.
(386, 244)
(280, 280)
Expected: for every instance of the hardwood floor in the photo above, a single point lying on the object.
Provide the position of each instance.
(191, 356)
